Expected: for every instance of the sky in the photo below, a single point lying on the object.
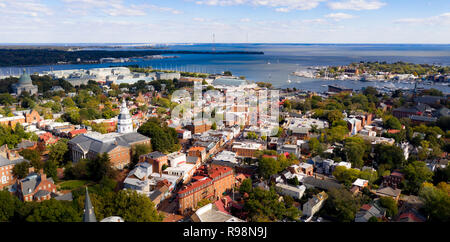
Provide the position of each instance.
(231, 21)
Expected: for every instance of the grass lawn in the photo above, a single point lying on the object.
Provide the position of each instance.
(72, 184)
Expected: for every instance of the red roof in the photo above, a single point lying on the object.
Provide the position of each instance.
(220, 206)
(197, 148)
(411, 216)
(366, 207)
(194, 185)
(396, 173)
(393, 131)
(217, 171)
(77, 131)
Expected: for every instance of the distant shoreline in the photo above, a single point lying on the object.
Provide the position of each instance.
(48, 56)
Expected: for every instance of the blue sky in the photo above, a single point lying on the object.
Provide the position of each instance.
(232, 21)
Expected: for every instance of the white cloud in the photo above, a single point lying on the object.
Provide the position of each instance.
(245, 20)
(357, 5)
(339, 16)
(314, 21)
(114, 7)
(443, 19)
(279, 5)
(33, 8)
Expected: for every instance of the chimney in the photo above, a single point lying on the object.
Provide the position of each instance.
(43, 175)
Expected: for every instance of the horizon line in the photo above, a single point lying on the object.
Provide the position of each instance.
(184, 43)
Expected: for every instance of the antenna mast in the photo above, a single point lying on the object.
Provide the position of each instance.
(214, 42)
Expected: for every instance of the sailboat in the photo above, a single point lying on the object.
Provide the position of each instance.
(268, 62)
(289, 80)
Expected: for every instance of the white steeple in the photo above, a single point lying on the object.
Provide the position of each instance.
(124, 123)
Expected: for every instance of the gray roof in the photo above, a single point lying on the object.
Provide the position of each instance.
(388, 191)
(443, 112)
(364, 215)
(41, 193)
(322, 184)
(155, 194)
(65, 197)
(89, 214)
(5, 162)
(87, 143)
(155, 155)
(30, 183)
(300, 130)
(229, 82)
(423, 118)
(25, 144)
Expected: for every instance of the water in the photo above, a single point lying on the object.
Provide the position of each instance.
(280, 60)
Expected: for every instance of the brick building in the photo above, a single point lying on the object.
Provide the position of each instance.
(27, 116)
(246, 149)
(46, 140)
(394, 180)
(8, 159)
(156, 159)
(199, 127)
(199, 152)
(35, 187)
(117, 146)
(209, 183)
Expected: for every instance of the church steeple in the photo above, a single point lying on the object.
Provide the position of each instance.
(89, 214)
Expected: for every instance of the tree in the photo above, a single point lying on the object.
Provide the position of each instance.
(392, 123)
(163, 139)
(341, 205)
(370, 91)
(252, 135)
(287, 104)
(100, 167)
(416, 173)
(21, 170)
(50, 169)
(390, 155)
(268, 167)
(58, 151)
(134, 207)
(34, 157)
(373, 219)
(263, 205)
(54, 211)
(369, 175)
(138, 150)
(436, 201)
(391, 206)
(294, 181)
(8, 204)
(203, 202)
(6, 99)
(77, 171)
(337, 133)
(354, 148)
(246, 186)
(334, 116)
(315, 147)
(346, 176)
(214, 126)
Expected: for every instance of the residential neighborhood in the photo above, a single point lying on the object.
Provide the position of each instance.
(347, 156)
